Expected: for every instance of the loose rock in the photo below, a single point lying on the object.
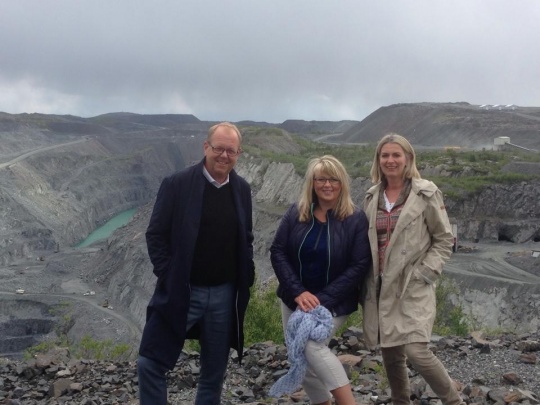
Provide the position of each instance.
(504, 374)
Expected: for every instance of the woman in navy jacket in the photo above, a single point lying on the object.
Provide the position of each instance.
(320, 255)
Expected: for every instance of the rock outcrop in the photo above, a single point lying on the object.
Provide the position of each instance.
(499, 212)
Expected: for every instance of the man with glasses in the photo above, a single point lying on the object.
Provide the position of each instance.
(200, 243)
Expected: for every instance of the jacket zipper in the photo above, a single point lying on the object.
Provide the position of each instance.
(328, 243)
(302, 243)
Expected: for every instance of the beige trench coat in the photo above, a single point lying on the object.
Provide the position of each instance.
(420, 245)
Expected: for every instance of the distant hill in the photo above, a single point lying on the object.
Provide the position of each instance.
(426, 125)
(125, 121)
(111, 122)
(317, 127)
(308, 129)
(449, 124)
(58, 124)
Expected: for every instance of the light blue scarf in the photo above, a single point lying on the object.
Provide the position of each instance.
(316, 325)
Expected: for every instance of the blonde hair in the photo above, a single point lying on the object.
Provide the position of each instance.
(330, 166)
(213, 129)
(410, 172)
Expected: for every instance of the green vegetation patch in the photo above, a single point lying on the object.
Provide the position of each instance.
(466, 172)
(85, 348)
(90, 348)
(450, 319)
(263, 316)
(277, 145)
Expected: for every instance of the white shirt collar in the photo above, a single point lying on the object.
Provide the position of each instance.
(388, 204)
(212, 180)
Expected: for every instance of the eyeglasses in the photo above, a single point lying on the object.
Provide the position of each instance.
(219, 150)
(321, 181)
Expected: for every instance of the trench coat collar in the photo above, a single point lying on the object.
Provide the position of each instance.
(413, 207)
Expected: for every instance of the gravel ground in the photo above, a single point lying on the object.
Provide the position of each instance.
(465, 363)
(526, 262)
(487, 369)
(468, 361)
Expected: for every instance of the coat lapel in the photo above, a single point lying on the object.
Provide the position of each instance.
(413, 208)
(240, 211)
(370, 207)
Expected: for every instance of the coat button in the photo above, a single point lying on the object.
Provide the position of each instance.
(403, 252)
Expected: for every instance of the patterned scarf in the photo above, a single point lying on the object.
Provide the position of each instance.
(316, 325)
(386, 221)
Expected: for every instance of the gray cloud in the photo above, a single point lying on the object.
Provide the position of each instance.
(245, 59)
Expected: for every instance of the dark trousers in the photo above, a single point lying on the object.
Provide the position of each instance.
(211, 307)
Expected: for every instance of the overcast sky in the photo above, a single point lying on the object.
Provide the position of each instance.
(266, 60)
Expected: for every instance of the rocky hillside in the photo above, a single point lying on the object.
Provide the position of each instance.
(429, 125)
(499, 212)
(61, 176)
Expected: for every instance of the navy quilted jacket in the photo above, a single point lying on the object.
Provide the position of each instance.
(350, 260)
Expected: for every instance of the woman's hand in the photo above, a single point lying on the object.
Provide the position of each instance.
(307, 301)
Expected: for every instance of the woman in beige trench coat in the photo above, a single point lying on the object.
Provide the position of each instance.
(410, 238)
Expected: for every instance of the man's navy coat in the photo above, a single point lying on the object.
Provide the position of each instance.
(171, 238)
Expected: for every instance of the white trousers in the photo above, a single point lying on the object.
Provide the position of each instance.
(325, 372)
